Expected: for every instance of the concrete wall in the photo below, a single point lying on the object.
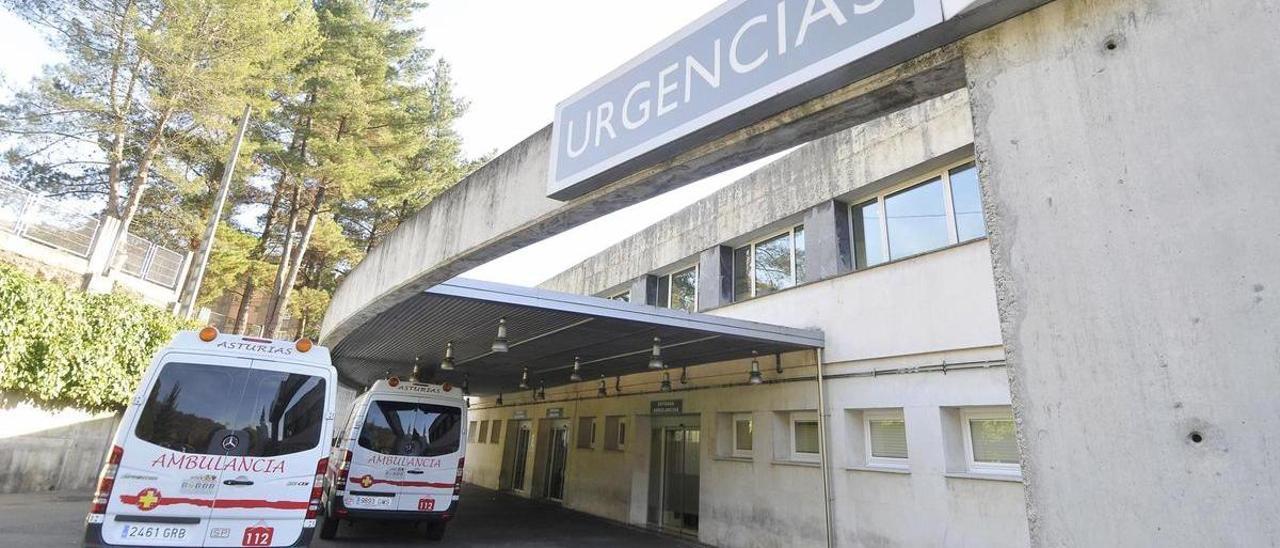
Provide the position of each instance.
(769, 500)
(1129, 152)
(43, 450)
(883, 151)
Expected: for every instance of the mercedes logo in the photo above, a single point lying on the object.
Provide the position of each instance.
(230, 442)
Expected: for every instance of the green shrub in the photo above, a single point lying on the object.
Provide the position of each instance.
(65, 348)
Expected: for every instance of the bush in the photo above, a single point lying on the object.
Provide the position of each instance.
(65, 348)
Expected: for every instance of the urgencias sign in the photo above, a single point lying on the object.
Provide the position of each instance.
(740, 54)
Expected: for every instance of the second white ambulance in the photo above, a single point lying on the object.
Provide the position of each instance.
(398, 456)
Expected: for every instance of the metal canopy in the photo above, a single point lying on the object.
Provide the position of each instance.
(545, 330)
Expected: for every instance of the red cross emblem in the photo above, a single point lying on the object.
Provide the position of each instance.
(366, 481)
(148, 499)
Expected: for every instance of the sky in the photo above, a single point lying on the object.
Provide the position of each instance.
(513, 61)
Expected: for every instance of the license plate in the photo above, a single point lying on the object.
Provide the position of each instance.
(367, 501)
(160, 532)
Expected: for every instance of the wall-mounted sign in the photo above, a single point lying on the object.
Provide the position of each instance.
(666, 407)
(740, 54)
(555, 412)
(521, 414)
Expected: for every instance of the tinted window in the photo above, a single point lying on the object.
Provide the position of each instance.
(773, 264)
(917, 220)
(742, 273)
(194, 408)
(868, 247)
(967, 199)
(410, 429)
(684, 290)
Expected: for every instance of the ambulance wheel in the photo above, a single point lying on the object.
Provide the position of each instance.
(435, 530)
(328, 526)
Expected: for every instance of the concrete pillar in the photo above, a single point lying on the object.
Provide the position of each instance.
(100, 256)
(1128, 159)
(826, 236)
(715, 277)
(644, 290)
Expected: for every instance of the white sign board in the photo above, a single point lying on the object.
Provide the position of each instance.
(740, 54)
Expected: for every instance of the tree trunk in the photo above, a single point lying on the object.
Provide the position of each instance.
(135, 193)
(295, 263)
(250, 285)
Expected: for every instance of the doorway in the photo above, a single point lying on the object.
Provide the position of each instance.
(520, 457)
(558, 453)
(674, 478)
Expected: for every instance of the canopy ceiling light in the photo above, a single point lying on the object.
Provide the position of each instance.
(576, 375)
(447, 363)
(602, 392)
(499, 402)
(466, 384)
(500, 343)
(541, 394)
(756, 377)
(524, 379)
(413, 377)
(666, 382)
(655, 361)
(684, 375)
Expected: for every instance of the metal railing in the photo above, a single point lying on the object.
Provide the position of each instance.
(28, 215)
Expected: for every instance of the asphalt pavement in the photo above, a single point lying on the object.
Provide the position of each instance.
(485, 518)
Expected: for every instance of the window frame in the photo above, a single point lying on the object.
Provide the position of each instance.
(981, 467)
(471, 431)
(943, 175)
(494, 434)
(873, 415)
(670, 275)
(751, 262)
(733, 427)
(799, 456)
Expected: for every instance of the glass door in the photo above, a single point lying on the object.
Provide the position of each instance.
(521, 456)
(680, 476)
(559, 451)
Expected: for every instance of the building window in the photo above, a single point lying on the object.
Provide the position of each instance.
(615, 433)
(944, 209)
(471, 431)
(743, 432)
(679, 290)
(768, 265)
(493, 431)
(804, 436)
(625, 297)
(587, 433)
(483, 435)
(886, 438)
(991, 446)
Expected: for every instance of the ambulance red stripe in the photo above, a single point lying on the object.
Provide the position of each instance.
(404, 483)
(132, 500)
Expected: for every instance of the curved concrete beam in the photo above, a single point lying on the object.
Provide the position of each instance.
(503, 207)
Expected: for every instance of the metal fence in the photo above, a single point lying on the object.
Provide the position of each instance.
(30, 216)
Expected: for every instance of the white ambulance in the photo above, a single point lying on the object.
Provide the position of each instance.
(224, 444)
(398, 456)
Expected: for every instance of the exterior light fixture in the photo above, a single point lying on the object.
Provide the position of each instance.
(499, 402)
(617, 385)
(655, 361)
(684, 375)
(541, 394)
(500, 343)
(576, 376)
(777, 363)
(524, 379)
(447, 363)
(666, 382)
(413, 377)
(466, 384)
(602, 392)
(756, 378)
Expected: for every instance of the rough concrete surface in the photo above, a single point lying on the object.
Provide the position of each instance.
(1129, 151)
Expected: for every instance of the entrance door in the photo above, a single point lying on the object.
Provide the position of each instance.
(521, 457)
(675, 460)
(559, 452)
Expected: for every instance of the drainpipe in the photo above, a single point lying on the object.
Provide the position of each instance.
(823, 457)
